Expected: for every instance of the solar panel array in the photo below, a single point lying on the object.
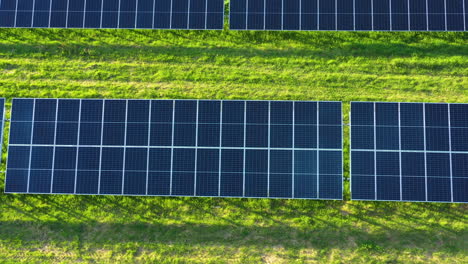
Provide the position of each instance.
(409, 152)
(276, 149)
(149, 14)
(349, 15)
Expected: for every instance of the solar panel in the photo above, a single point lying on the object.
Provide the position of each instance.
(2, 120)
(143, 14)
(409, 152)
(275, 149)
(349, 15)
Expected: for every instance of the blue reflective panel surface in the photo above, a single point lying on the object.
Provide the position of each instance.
(386, 114)
(362, 114)
(387, 138)
(460, 190)
(16, 181)
(18, 157)
(41, 158)
(384, 15)
(200, 14)
(159, 159)
(305, 113)
(411, 114)
(387, 163)
(362, 137)
(22, 110)
(305, 161)
(460, 165)
(64, 181)
(330, 137)
(363, 187)
(413, 164)
(40, 181)
(436, 129)
(68, 110)
(208, 135)
(281, 136)
(330, 186)
(233, 112)
(413, 189)
(135, 183)
(112, 159)
(438, 189)
(136, 159)
(180, 147)
(363, 163)
(330, 162)
(305, 136)
(233, 135)
(65, 158)
(388, 188)
(159, 183)
(305, 185)
(20, 132)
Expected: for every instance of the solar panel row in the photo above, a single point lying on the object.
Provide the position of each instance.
(349, 15)
(151, 14)
(409, 151)
(277, 149)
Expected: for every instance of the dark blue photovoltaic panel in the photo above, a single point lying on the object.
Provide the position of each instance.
(144, 14)
(271, 149)
(347, 15)
(409, 152)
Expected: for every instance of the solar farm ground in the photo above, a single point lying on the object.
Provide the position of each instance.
(431, 67)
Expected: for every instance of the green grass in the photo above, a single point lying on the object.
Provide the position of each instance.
(342, 66)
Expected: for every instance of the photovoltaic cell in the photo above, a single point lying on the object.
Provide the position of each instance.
(409, 152)
(271, 149)
(143, 14)
(349, 15)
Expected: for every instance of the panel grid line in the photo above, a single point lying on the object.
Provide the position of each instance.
(84, 14)
(172, 147)
(77, 147)
(375, 153)
(399, 151)
(16, 13)
(196, 150)
(244, 150)
(148, 143)
(450, 152)
(33, 12)
(318, 152)
(427, 15)
(220, 145)
(124, 148)
(293, 118)
(103, 109)
(425, 153)
(269, 154)
(31, 141)
(55, 146)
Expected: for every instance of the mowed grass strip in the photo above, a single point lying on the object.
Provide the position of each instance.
(344, 66)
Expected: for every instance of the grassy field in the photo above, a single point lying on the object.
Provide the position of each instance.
(342, 66)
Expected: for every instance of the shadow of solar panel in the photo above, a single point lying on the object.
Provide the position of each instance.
(142, 14)
(409, 152)
(347, 15)
(176, 147)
